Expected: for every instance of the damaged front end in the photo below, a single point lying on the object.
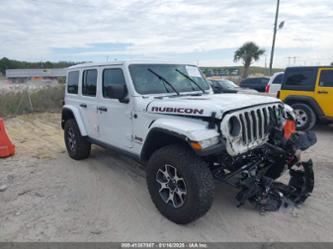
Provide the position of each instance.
(255, 172)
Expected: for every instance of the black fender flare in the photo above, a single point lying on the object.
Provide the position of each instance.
(159, 137)
(72, 112)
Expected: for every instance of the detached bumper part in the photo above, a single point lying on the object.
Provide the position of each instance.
(300, 185)
(268, 195)
(303, 140)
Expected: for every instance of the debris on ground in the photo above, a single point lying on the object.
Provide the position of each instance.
(3, 188)
(24, 192)
(96, 232)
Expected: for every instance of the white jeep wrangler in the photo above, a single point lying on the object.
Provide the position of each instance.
(167, 117)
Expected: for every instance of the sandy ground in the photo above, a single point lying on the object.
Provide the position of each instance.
(50, 197)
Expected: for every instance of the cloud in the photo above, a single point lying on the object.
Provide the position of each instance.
(181, 29)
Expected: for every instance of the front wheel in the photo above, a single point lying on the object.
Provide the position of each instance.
(180, 184)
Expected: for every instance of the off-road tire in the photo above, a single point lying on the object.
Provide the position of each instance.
(310, 114)
(197, 176)
(82, 147)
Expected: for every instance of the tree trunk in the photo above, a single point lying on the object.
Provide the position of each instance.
(246, 70)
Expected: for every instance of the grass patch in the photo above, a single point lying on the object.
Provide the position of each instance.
(48, 99)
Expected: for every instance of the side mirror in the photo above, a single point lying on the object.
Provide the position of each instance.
(117, 92)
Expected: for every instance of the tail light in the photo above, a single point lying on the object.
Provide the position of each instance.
(267, 88)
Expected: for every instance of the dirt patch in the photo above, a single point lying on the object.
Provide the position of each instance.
(50, 197)
(36, 135)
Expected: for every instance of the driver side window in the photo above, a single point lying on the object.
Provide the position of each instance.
(111, 77)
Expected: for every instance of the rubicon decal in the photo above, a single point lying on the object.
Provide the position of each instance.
(177, 110)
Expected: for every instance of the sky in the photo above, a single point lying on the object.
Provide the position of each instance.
(204, 32)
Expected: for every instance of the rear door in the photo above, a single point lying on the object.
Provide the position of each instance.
(324, 90)
(88, 101)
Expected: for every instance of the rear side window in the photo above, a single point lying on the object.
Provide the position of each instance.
(89, 82)
(326, 78)
(250, 81)
(73, 82)
(264, 81)
(278, 79)
(247, 82)
(112, 77)
(300, 79)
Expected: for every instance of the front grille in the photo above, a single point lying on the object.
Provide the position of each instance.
(255, 122)
(255, 125)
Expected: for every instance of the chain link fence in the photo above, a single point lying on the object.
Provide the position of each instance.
(48, 99)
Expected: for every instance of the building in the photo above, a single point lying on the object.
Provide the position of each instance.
(22, 75)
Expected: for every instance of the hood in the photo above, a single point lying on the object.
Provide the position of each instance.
(205, 105)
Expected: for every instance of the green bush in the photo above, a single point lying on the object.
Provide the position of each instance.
(45, 100)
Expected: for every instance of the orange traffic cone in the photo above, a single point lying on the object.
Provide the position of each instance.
(6, 147)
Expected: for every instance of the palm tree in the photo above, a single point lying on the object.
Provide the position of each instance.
(248, 53)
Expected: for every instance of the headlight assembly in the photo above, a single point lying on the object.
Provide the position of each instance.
(234, 126)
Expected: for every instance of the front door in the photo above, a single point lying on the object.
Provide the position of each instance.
(114, 115)
(324, 91)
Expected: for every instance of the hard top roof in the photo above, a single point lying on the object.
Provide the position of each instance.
(115, 63)
(300, 67)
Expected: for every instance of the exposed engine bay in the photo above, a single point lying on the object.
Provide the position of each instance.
(256, 172)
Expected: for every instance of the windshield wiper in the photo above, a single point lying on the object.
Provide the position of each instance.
(164, 80)
(190, 79)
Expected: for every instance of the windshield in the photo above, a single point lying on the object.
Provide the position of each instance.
(146, 82)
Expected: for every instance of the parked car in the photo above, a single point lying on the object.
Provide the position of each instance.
(274, 84)
(309, 90)
(256, 83)
(227, 86)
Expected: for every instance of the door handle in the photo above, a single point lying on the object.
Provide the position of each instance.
(102, 109)
(83, 105)
(322, 92)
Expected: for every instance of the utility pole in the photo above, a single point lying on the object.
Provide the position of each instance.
(274, 36)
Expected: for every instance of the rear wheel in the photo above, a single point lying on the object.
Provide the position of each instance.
(77, 146)
(305, 116)
(180, 184)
